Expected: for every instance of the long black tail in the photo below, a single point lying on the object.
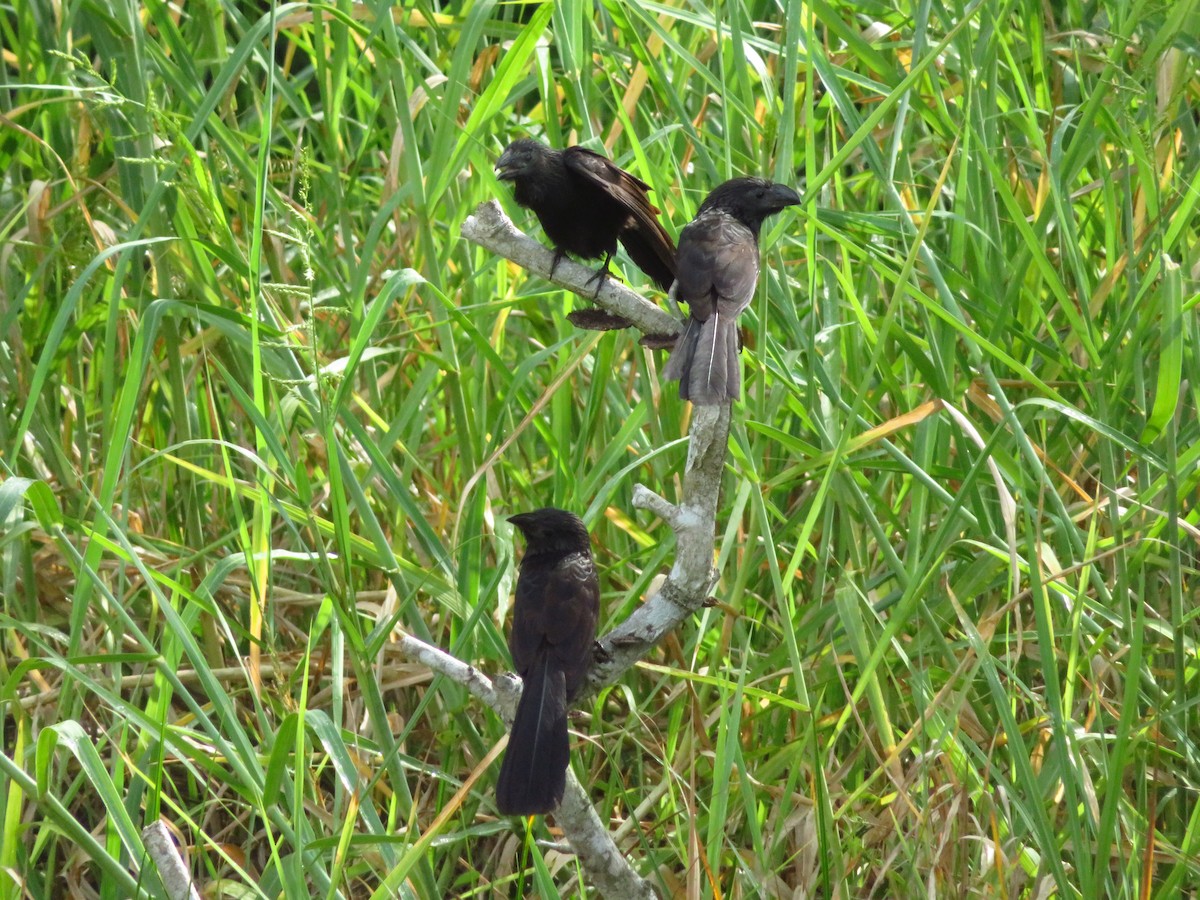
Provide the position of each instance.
(533, 774)
(705, 361)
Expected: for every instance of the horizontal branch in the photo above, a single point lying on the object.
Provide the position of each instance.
(478, 684)
(491, 229)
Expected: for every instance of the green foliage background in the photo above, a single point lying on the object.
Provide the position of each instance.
(260, 404)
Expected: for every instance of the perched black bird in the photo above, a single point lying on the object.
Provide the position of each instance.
(718, 270)
(553, 629)
(586, 203)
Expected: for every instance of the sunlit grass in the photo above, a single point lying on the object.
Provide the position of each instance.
(262, 404)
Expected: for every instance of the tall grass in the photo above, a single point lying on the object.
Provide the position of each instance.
(261, 405)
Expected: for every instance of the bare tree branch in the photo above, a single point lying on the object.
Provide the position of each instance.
(606, 866)
(171, 868)
(686, 588)
(694, 521)
(491, 229)
(479, 685)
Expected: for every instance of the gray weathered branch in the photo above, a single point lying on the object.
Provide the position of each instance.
(491, 229)
(694, 521)
(606, 866)
(685, 589)
(166, 856)
(438, 660)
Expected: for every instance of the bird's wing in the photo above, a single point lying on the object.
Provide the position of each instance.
(718, 263)
(606, 175)
(570, 600)
(570, 609)
(644, 238)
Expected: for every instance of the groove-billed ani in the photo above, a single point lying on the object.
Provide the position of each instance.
(718, 270)
(585, 203)
(553, 629)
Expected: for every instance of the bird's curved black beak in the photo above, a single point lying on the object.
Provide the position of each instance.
(782, 196)
(506, 167)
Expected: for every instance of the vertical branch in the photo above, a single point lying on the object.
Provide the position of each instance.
(694, 522)
(692, 519)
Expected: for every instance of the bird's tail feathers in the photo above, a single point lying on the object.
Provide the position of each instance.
(534, 770)
(705, 361)
(680, 360)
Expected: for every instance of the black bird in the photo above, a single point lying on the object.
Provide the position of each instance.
(718, 270)
(586, 203)
(553, 630)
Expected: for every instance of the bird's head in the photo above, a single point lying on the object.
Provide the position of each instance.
(751, 200)
(549, 529)
(520, 157)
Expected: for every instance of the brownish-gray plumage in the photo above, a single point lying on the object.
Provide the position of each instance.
(718, 271)
(586, 203)
(553, 630)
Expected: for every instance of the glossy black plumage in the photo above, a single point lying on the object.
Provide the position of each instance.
(586, 203)
(718, 271)
(553, 630)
